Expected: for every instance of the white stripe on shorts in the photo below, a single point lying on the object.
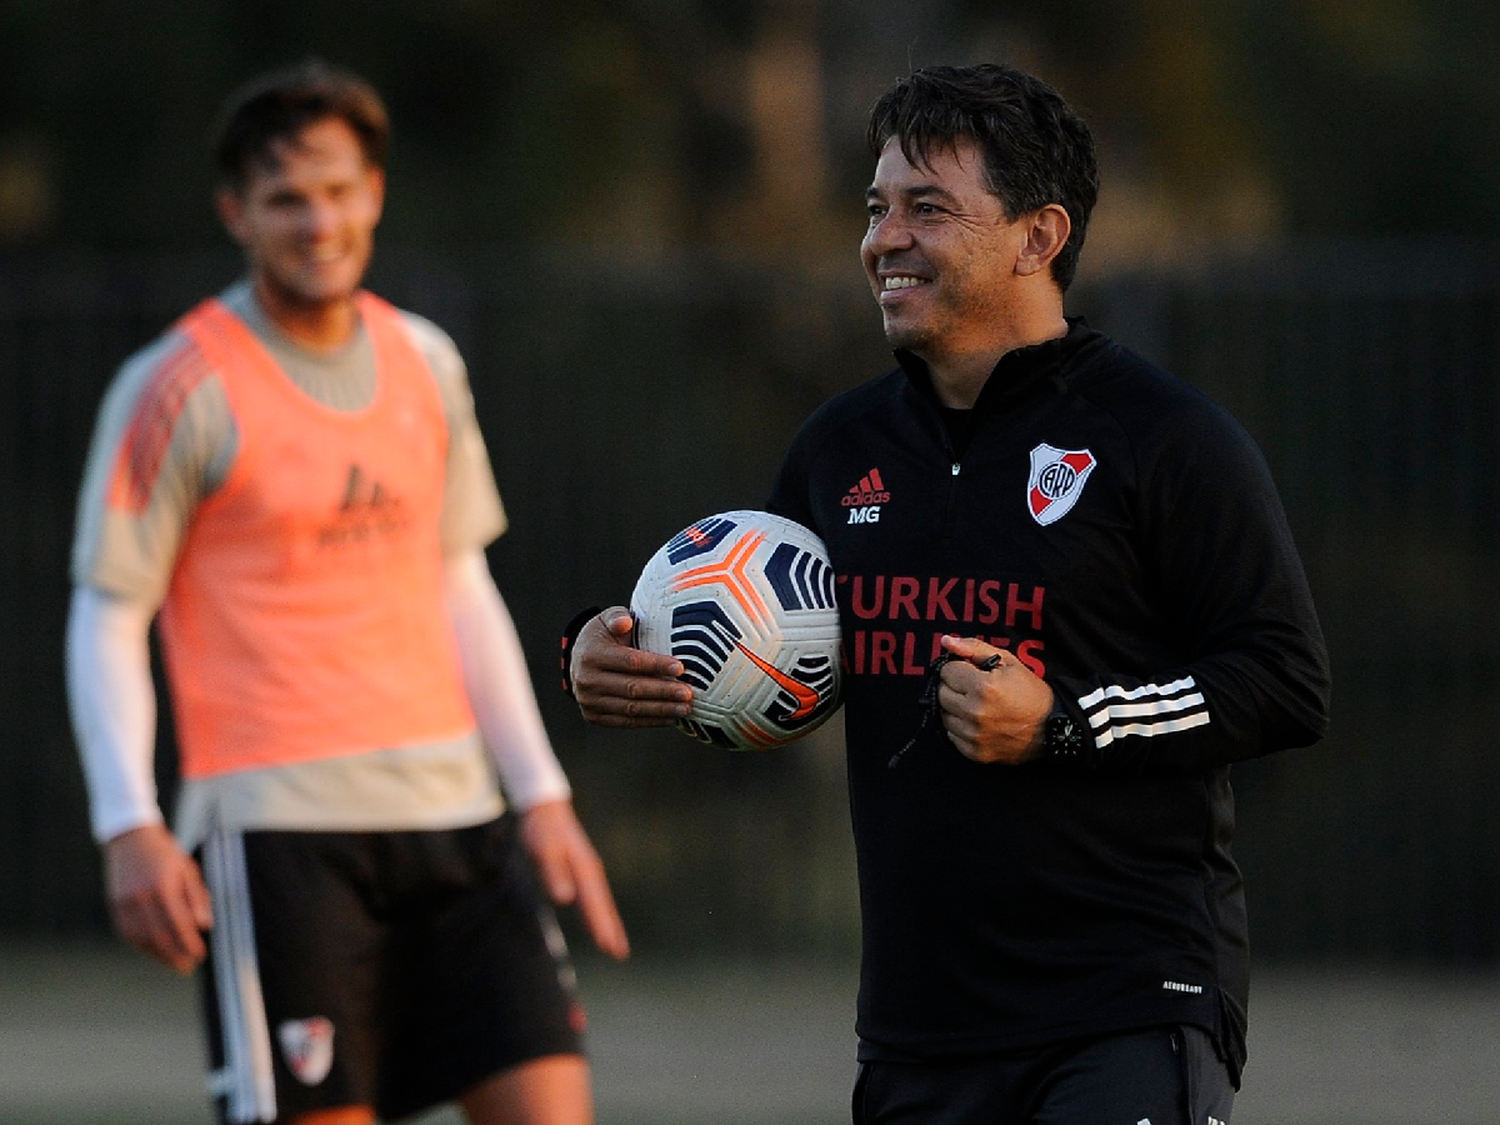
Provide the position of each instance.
(246, 1080)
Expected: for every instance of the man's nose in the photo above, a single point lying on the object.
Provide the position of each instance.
(320, 219)
(888, 233)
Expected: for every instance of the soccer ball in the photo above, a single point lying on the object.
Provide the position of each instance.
(745, 601)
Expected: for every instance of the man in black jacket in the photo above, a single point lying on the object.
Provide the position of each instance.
(1088, 560)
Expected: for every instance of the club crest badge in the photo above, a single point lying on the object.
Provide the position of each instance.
(1057, 480)
(307, 1046)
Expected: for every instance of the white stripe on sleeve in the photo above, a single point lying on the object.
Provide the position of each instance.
(1146, 711)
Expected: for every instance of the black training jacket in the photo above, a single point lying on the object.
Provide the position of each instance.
(1120, 533)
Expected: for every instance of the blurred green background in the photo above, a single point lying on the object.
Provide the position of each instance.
(639, 221)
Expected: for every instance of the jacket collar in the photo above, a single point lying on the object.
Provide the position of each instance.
(1017, 373)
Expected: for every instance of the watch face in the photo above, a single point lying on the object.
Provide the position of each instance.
(1063, 739)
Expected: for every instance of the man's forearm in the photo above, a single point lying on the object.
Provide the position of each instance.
(499, 686)
(113, 705)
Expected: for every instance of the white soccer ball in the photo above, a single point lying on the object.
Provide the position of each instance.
(745, 600)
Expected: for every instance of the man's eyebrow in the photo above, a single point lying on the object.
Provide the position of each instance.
(916, 191)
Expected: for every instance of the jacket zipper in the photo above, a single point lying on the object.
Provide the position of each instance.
(955, 466)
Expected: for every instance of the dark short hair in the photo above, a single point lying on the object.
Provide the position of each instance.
(1037, 150)
(279, 105)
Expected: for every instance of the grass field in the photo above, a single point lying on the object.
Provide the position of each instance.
(93, 1035)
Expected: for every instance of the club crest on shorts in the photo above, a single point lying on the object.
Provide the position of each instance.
(1057, 480)
(307, 1046)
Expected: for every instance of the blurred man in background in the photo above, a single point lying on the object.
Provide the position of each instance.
(1089, 564)
(292, 482)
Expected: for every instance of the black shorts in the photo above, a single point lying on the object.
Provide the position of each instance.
(1157, 1076)
(390, 969)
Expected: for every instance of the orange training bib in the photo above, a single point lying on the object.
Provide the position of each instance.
(306, 617)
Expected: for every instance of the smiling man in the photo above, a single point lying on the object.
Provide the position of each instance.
(1079, 605)
(292, 483)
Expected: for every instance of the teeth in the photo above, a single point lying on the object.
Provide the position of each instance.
(903, 282)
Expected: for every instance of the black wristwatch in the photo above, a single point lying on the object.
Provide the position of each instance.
(1063, 738)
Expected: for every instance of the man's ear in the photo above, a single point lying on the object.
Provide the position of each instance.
(1046, 235)
(377, 186)
(231, 209)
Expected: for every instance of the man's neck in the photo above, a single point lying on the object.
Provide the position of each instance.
(959, 376)
(322, 326)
